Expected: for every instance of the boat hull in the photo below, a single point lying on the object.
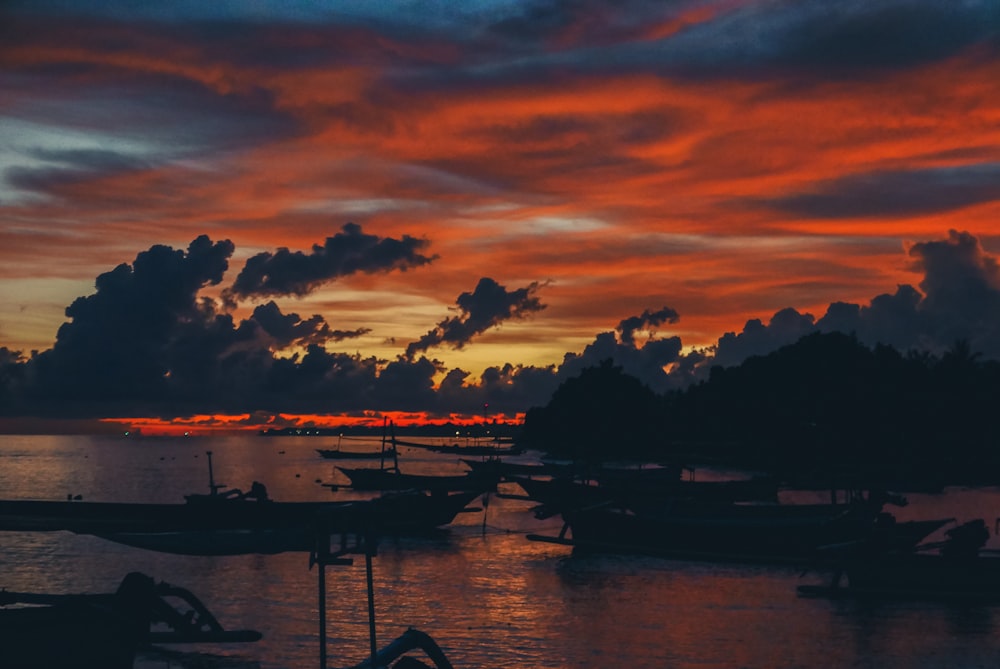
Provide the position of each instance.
(757, 533)
(237, 527)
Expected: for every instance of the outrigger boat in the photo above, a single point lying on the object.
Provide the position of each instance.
(959, 570)
(774, 533)
(493, 448)
(567, 494)
(389, 478)
(39, 631)
(340, 454)
(229, 522)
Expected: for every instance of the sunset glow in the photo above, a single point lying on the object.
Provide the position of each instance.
(724, 160)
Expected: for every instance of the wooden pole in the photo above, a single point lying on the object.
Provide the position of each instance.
(321, 561)
(371, 603)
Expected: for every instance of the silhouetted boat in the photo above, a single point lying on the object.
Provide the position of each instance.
(389, 477)
(741, 532)
(505, 469)
(103, 630)
(220, 524)
(641, 492)
(410, 512)
(478, 448)
(959, 571)
(392, 479)
(338, 454)
(341, 454)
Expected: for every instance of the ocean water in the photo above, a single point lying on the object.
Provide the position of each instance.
(486, 594)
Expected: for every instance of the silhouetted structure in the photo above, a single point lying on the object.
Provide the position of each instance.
(824, 404)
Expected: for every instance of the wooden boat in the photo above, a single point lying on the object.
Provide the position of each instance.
(339, 454)
(491, 448)
(642, 494)
(506, 470)
(740, 532)
(216, 525)
(959, 571)
(393, 479)
(104, 630)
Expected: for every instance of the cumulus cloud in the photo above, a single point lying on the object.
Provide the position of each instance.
(958, 299)
(350, 251)
(649, 362)
(629, 326)
(489, 305)
(289, 329)
(146, 343)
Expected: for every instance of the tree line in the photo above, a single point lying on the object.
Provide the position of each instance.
(827, 399)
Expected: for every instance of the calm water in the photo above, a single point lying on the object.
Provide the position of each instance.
(488, 596)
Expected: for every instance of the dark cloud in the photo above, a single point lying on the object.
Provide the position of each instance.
(897, 194)
(785, 327)
(489, 305)
(629, 326)
(146, 343)
(116, 343)
(649, 363)
(350, 251)
(894, 34)
(68, 168)
(958, 299)
(290, 330)
(817, 38)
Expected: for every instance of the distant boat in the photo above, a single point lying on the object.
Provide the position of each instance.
(392, 479)
(340, 454)
(478, 448)
(104, 630)
(389, 477)
(505, 469)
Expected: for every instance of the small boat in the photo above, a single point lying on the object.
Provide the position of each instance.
(230, 522)
(390, 478)
(560, 494)
(506, 470)
(404, 513)
(776, 533)
(104, 630)
(479, 448)
(958, 571)
(340, 454)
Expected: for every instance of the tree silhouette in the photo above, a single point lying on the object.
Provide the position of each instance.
(601, 414)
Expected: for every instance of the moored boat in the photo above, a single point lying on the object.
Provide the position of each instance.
(338, 454)
(40, 631)
(957, 570)
(739, 532)
(219, 526)
(392, 479)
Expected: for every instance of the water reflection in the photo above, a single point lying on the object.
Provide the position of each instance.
(490, 598)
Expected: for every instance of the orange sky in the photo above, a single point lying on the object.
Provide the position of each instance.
(705, 156)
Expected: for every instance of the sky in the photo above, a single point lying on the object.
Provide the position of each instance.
(262, 213)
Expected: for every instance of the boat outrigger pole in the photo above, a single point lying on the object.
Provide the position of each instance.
(211, 478)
